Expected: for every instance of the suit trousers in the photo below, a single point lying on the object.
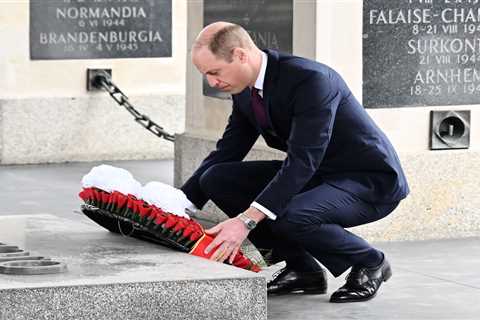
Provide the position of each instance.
(313, 223)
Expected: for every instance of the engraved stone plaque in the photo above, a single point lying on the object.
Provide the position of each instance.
(421, 53)
(93, 29)
(269, 23)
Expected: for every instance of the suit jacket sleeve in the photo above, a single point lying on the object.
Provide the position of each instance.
(236, 141)
(314, 107)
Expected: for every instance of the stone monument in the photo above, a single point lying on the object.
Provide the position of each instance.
(112, 277)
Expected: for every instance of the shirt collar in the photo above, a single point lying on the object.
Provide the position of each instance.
(261, 74)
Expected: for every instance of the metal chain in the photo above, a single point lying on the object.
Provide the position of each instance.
(104, 81)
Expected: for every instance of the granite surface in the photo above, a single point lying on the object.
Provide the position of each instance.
(144, 29)
(110, 276)
(420, 53)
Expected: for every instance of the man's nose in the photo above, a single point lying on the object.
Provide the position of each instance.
(212, 81)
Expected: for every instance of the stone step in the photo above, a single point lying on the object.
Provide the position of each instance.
(114, 277)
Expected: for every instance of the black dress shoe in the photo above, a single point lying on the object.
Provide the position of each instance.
(289, 281)
(363, 283)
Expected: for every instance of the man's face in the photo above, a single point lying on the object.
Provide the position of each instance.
(231, 77)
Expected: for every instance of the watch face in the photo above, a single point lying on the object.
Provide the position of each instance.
(251, 224)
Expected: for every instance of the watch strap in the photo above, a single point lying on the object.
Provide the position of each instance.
(249, 223)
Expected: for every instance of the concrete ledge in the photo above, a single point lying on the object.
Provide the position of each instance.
(443, 202)
(47, 130)
(151, 300)
(112, 277)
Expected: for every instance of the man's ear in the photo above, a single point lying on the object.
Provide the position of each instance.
(240, 54)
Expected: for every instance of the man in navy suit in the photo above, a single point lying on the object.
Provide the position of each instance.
(340, 169)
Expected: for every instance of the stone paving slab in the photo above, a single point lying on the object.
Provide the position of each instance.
(453, 260)
(435, 279)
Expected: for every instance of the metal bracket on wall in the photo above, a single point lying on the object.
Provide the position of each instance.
(449, 129)
(94, 76)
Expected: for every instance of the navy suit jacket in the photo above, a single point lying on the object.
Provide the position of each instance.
(327, 134)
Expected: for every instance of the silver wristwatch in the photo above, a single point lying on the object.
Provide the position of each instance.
(249, 223)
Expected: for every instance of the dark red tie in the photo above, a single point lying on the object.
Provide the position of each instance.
(259, 109)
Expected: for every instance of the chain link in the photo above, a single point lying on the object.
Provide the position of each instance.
(104, 81)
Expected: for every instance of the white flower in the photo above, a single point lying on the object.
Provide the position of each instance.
(109, 179)
(166, 197)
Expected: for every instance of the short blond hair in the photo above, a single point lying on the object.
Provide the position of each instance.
(222, 42)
